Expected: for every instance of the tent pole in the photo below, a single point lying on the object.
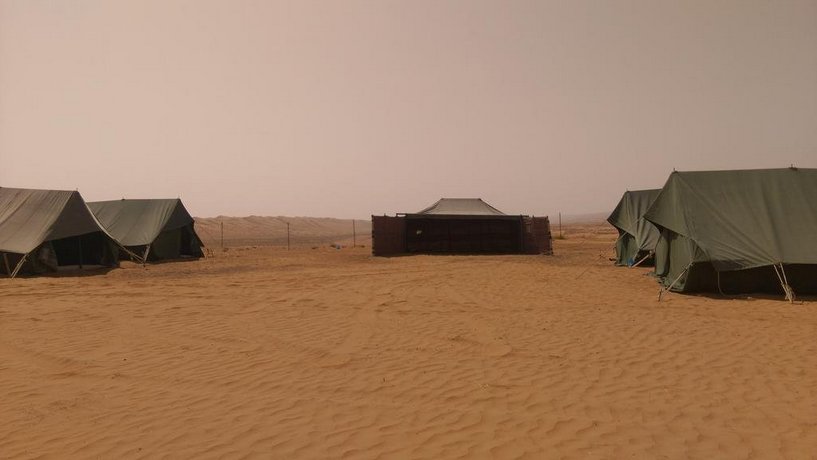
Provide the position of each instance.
(784, 283)
(145, 257)
(673, 283)
(790, 290)
(133, 256)
(6, 260)
(642, 260)
(19, 266)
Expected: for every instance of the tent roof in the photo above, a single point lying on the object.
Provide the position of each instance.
(460, 207)
(30, 217)
(628, 217)
(743, 219)
(139, 222)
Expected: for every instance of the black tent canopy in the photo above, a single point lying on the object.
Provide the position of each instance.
(153, 229)
(45, 230)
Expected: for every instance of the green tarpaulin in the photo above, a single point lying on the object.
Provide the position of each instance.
(727, 230)
(162, 228)
(637, 237)
(42, 230)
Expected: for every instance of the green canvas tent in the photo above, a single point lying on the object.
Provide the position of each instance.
(737, 231)
(636, 237)
(46, 230)
(157, 229)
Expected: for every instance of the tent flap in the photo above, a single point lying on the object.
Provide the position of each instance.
(637, 235)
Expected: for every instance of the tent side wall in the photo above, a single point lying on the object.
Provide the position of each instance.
(460, 234)
(537, 238)
(471, 235)
(629, 251)
(90, 249)
(626, 249)
(388, 236)
(170, 244)
(674, 259)
(675, 253)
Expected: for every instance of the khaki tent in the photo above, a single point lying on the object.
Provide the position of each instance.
(636, 236)
(460, 226)
(46, 230)
(152, 229)
(737, 231)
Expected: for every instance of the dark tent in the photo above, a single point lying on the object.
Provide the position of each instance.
(152, 229)
(460, 226)
(636, 237)
(45, 230)
(738, 231)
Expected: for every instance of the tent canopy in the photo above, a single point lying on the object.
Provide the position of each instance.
(29, 218)
(139, 222)
(460, 207)
(628, 217)
(742, 219)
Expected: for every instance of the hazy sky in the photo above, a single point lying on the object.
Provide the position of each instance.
(348, 108)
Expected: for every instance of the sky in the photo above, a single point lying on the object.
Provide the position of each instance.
(350, 108)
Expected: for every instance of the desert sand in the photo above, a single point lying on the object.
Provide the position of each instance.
(323, 353)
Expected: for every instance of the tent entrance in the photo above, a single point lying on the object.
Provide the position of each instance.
(170, 244)
(88, 251)
(83, 251)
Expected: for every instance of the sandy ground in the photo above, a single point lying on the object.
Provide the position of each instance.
(268, 353)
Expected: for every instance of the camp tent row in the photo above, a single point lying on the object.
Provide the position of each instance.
(733, 231)
(50, 230)
(460, 226)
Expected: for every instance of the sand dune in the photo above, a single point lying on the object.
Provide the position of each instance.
(268, 353)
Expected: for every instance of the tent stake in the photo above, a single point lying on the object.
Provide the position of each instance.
(642, 260)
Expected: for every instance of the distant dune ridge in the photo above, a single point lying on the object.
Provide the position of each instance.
(272, 231)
